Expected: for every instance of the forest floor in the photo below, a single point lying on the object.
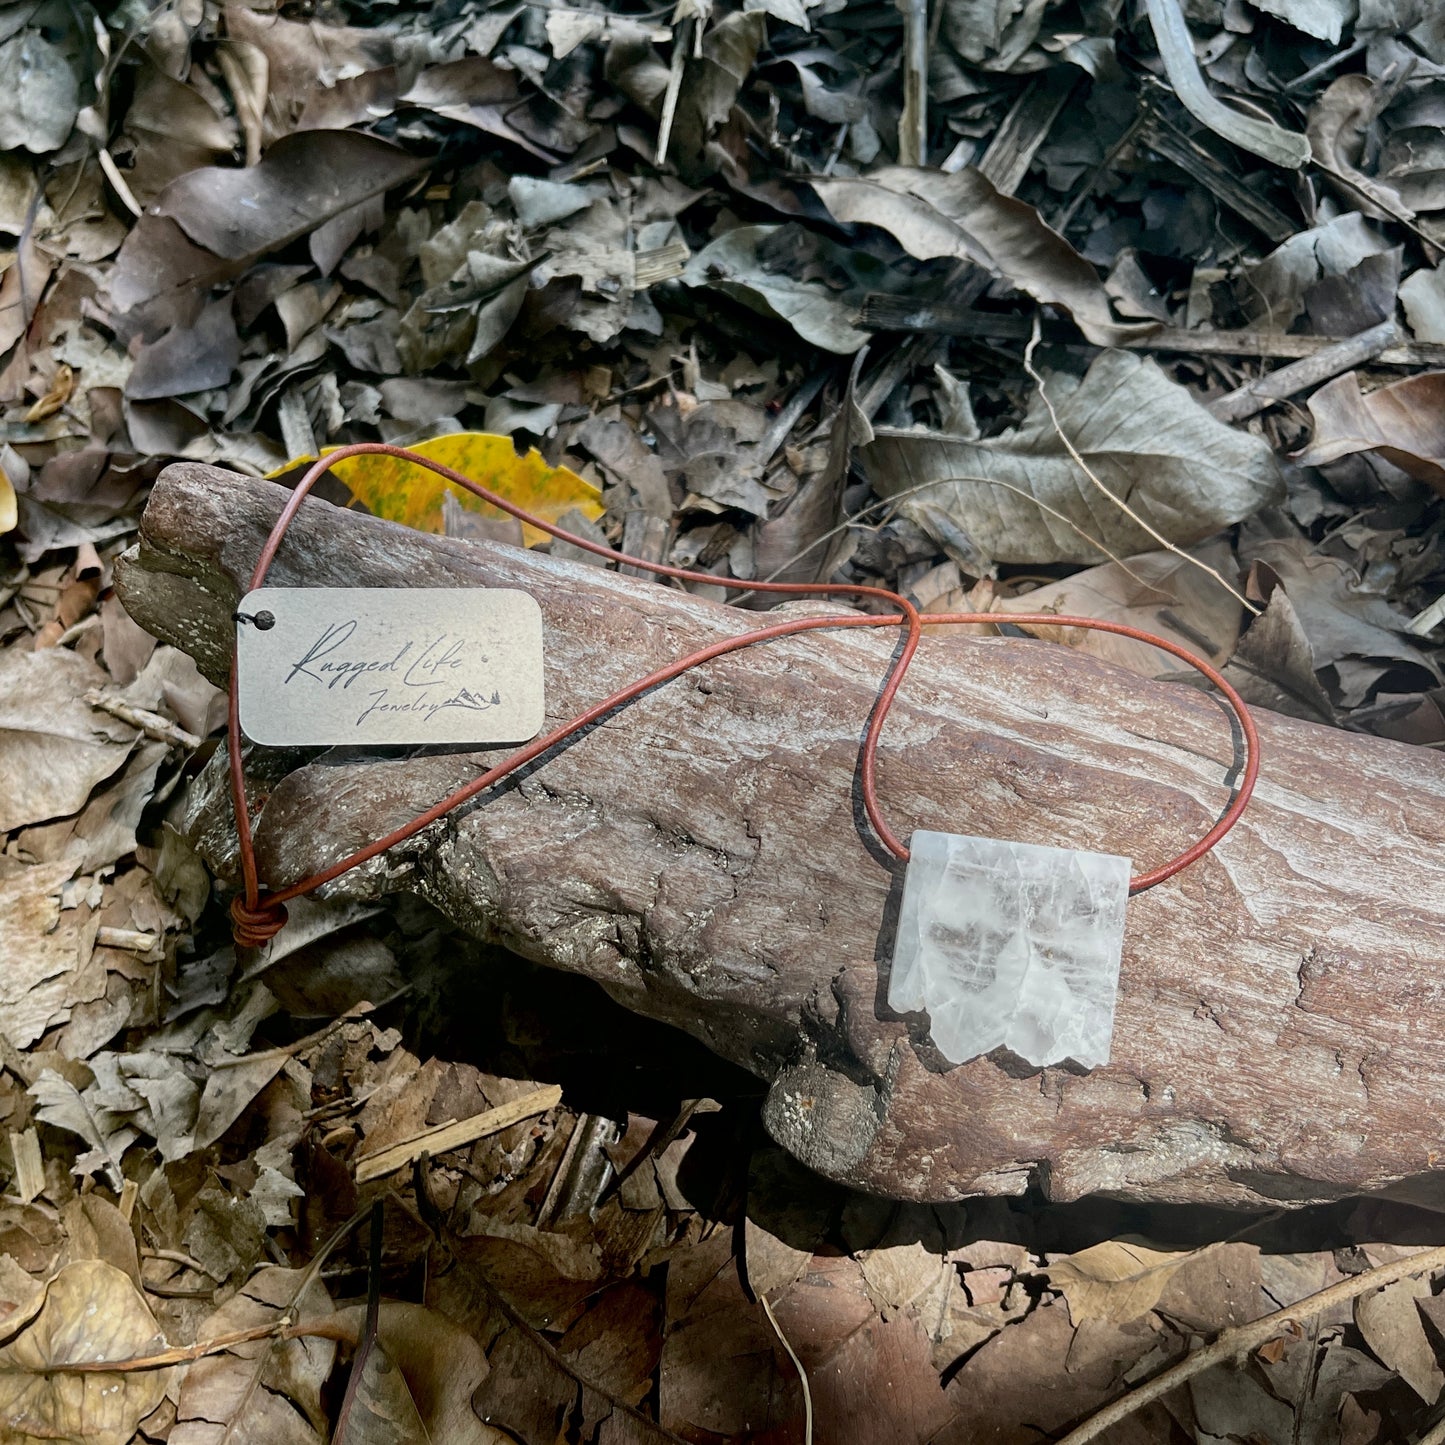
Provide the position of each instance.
(773, 290)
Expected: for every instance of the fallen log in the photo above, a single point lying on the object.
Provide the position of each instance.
(701, 855)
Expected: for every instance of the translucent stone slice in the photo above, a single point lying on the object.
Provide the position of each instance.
(1011, 943)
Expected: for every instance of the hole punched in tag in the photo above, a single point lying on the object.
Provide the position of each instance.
(262, 621)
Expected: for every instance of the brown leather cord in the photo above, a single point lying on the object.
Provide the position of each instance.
(258, 916)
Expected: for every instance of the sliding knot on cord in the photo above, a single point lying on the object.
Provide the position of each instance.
(252, 927)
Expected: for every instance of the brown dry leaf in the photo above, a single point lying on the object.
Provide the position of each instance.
(55, 397)
(532, 1389)
(794, 545)
(1214, 1287)
(898, 1275)
(196, 356)
(616, 1345)
(158, 272)
(1337, 126)
(1401, 421)
(1117, 1280)
(1392, 1327)
(267, 1390)
(195, 235)
(740, 264)
(1315, 1381)
(44, 948)
(1021, 497)
(788, 1212)
(932, 214)
(722, 1369)
(92, 1312)
(105, 829)
(40, 82)
(172, 128)
(773, 1265)
(54, 747)
(301, 182)
(229, 1089)
(108, 1133)
(1157, 591)
(1015, 1387)
(1229, 1402)
(870, 1378)
(1422, 294)
(710, 85)
(304, 58)
(21, 1295)
(546, 1277)
(422, 1368)
(1274, 664)
(1340, 617)
(21, 289)
(1271, 292)
(381, 1410)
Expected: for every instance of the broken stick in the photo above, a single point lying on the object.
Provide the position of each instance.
(1255, 396)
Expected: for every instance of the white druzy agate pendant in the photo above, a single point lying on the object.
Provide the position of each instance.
(1013, 944)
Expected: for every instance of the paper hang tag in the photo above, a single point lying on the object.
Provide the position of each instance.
(372, 666)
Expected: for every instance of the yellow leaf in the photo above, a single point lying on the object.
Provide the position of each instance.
(9, 515)
(405, 493)
(1116, 1280)
(92, 1312)
(59, 393)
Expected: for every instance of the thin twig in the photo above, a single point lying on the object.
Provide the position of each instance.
(1286, 381)
(913, 123)
(1119, 502)
(177, 1355)
(1243, 1338)
(674, 89)
(1315, 72)
(152, 724)
(797, 1365)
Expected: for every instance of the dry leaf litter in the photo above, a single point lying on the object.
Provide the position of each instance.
(1133, 311)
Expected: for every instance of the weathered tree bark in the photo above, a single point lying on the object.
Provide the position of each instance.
(700, 854)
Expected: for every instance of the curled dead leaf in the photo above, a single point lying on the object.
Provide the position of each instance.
(54, 398)
(1337, 125)
(421, 1369)
(1400, 421)
(932, 214)
(1117, 1280)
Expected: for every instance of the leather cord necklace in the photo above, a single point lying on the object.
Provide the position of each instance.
(258, 914)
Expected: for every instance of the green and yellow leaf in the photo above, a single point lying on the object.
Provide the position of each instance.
(402, 492)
